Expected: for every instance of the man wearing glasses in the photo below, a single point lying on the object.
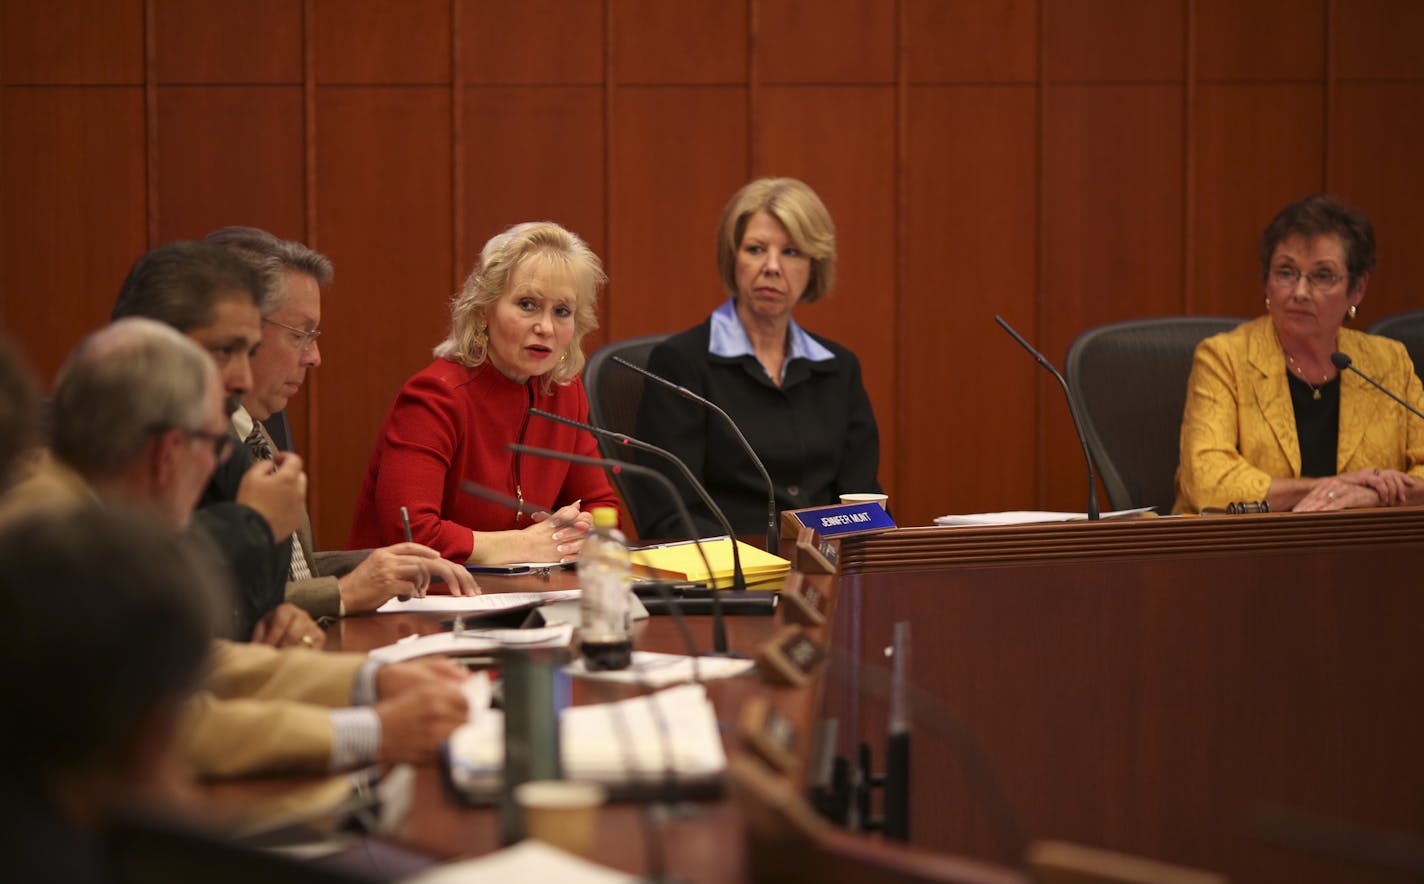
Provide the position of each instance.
(325, 585)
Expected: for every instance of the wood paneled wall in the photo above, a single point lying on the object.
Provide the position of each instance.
(1064, 163)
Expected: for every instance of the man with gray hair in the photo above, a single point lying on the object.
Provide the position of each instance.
(293, 276)
(138, 420)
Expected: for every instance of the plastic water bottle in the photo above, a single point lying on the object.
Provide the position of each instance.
(605, 576)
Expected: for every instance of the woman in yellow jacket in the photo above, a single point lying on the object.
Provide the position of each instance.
(1269, 416)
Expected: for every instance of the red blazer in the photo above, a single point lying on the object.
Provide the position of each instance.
(451, 423)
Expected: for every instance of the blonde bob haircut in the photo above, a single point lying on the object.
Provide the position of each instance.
(549, 244)
(800, 211)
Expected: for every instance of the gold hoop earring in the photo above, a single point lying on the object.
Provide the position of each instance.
(480, 339)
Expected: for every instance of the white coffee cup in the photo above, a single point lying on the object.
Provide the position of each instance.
(563, 813)
(881, 499)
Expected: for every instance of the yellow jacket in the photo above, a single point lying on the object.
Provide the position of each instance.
(1238, 429)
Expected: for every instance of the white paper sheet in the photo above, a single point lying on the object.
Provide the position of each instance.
(659, 670)
(526, 861)
(473, 641)
(1029, 517)
(489, 603)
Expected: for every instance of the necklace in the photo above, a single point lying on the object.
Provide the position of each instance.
(1314, 390)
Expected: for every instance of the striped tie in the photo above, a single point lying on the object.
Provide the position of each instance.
(257, 444)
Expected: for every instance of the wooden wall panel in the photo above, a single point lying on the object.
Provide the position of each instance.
(972, 41)
(71, 41)
(230, 155)
(73, 216)
(1114, 40)
(1112, 227)
(691, 41)
(1053, 178)
(1380, 38)
(1378, 162)
(1258, 148)
(825, 41)
(375, 41)
(262, 40)
(858, 186)
(969, 246)
(678, 155)
(1262, 40)
(496, 44)
(383, 216)
(533, 154)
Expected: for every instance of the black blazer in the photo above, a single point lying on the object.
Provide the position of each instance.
(816, 434)
(259, 567)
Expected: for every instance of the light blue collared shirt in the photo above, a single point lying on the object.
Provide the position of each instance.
(728, 339)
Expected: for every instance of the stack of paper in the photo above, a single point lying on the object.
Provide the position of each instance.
(667, 737)
(762, 569)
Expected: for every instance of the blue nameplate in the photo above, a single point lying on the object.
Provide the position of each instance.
(845, 518)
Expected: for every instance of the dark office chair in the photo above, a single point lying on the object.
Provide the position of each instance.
(614, 393)
(1407, 328)
(1128, 381)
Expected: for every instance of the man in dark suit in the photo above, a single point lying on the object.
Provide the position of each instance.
(250, 511)
(326, 585)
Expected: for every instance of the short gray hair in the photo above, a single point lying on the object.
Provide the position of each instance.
(271, 256)
(119, 386)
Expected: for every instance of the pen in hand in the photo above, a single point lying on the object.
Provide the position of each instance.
(405, 527)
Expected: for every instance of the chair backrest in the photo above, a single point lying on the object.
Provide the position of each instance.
(614, 393)
(1407, 328)
(1128, 381)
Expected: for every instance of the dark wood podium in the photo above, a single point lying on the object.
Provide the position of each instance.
(1158, 686)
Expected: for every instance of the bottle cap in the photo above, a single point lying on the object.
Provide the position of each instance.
(605, 517)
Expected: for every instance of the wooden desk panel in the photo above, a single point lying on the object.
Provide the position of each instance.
(1145, 686)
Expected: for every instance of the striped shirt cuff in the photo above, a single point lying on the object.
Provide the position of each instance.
(355, 737)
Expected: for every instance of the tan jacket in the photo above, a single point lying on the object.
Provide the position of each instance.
(1238, 430)
(266, 711)
(261, 710)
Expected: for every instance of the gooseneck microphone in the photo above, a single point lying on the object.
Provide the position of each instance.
(719, 627)
(771, 532)
(1343, 362)
(1093, 512)
(474, 489)
(739, 579)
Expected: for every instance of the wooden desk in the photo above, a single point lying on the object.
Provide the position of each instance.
(1147, 685)
(704, 844)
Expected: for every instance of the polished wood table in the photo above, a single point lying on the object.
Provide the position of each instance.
(703, 841)
(1159, 686)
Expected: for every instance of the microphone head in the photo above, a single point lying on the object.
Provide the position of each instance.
(1340, 360)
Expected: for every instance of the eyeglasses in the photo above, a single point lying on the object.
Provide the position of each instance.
(302, 339)
(1286, 278)
(224, 443)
